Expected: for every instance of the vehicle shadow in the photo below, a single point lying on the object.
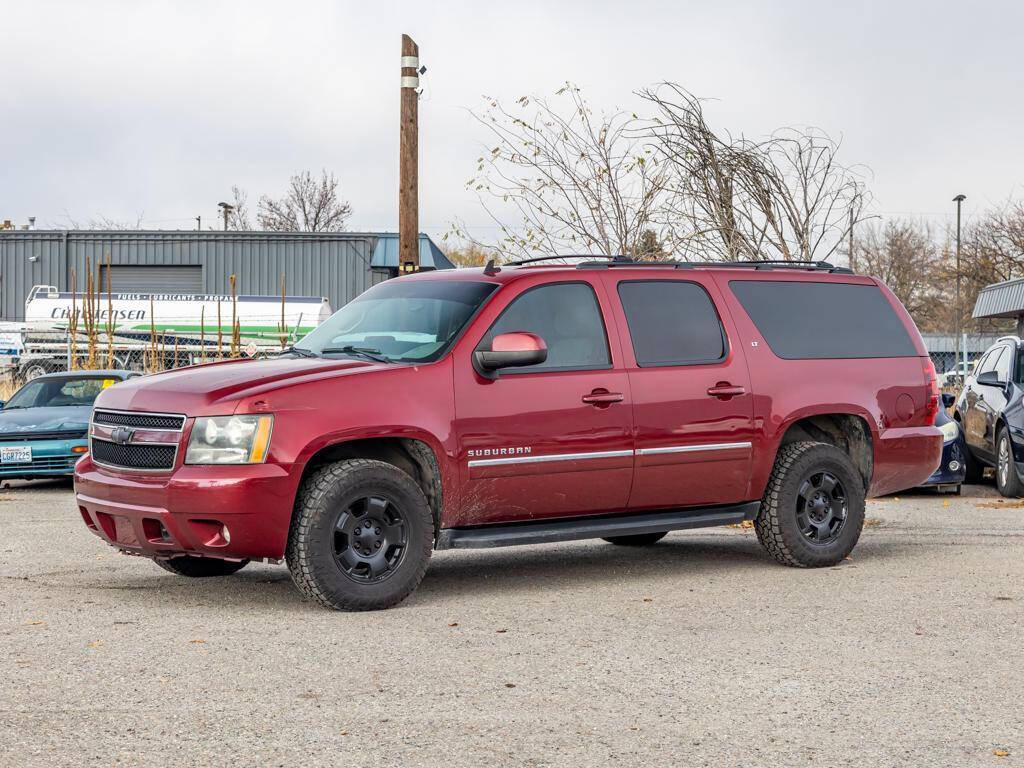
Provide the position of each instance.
(553, 567)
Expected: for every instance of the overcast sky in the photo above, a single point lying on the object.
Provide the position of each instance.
(157, 108)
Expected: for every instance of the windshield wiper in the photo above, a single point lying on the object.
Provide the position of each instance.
(367, 352)
(300, 351)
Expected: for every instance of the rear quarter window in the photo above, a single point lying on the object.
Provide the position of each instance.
(806, 320)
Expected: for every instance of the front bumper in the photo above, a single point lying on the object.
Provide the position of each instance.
(229, 512)
(952, 468)
(50, 458)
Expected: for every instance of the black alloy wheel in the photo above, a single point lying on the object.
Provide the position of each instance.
(370, 539)
(821, 508)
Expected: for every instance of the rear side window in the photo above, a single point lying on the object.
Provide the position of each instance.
(671, 323)
(567, 317)
(805, 320)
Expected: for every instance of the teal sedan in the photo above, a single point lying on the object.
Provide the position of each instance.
(44, 426)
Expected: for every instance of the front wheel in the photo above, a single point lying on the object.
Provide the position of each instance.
(361, 536)
(1007, 480)
(812, 511)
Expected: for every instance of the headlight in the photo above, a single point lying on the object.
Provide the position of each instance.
(229, 440)
(950, 430)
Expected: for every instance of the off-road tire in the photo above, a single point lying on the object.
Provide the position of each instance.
(636, 540)
(310, 553)
(776, 522)
(201, 567)
(1010, 486)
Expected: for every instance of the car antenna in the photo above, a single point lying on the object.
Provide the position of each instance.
(491, 269)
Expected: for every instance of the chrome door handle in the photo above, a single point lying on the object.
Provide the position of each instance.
(602, 398)
(725, 390)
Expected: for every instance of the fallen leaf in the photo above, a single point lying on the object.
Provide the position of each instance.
(648, 599)
(510, 685)
(1003, 597)
(872, 522)
(1001, 752)
(34, 622)
(197, 641)
(95, 644)
(502, 631)
(454, 624)
(945, 503)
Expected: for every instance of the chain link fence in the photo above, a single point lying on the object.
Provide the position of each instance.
(36, 353)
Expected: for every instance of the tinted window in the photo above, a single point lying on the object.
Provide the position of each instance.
(671, 323)
(567, 317)
(801, 320)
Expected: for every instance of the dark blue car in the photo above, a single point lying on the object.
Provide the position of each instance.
(43, 426)
(953, 467)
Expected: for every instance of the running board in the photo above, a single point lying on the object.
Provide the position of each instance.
(540, 532)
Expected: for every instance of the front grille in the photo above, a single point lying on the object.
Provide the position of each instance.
(140, 420)
(43, 462)
(138, 456)
(20, 437)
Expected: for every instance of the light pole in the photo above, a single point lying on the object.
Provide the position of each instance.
(959, 199)
(227, 208)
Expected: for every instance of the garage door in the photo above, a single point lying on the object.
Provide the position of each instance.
(147, 278)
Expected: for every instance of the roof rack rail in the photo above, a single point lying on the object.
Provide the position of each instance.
(521, 262)
(811, 266)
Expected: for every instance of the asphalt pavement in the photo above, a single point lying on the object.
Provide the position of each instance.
(697, 651)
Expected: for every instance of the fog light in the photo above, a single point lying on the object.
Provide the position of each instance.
(954, 466)
(225, 534)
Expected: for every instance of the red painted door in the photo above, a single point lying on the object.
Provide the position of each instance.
(549, 440)
(692, 405)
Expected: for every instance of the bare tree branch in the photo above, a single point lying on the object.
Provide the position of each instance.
(307, 206)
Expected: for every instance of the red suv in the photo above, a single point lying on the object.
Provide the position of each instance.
(524, 404)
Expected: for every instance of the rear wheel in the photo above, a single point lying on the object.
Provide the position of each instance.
(1007, 480)
(812, 511)
(201, 567)
(361, 536)
(637, 540)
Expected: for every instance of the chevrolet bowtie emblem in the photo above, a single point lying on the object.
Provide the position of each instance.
(122, 435)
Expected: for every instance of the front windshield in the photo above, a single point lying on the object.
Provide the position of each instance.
(53, 393)
(401, 321)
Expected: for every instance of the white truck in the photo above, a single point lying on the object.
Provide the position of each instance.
(182, 326)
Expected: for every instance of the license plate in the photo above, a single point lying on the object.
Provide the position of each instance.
(18, 454)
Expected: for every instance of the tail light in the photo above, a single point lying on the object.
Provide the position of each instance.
(932, 406)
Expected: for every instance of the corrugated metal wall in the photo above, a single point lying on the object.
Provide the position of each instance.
(335, 265)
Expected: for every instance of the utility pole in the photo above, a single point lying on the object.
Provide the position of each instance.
(959, 199)
(408, 159)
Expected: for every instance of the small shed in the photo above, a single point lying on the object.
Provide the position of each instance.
(1004, 299)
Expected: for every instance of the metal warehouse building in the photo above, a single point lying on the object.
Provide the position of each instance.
(336, 265)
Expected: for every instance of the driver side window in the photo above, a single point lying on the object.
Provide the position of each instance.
(1003, 365)
(567, 317)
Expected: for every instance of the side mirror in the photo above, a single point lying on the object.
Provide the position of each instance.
(990, 379)
(511, 350)
(948, 400)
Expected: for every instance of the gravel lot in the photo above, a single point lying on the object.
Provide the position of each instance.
(698, 651)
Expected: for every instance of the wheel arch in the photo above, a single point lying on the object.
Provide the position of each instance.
(413, 455)
(848, 431)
